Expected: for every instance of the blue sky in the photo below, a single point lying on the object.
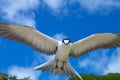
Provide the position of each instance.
(74, 19)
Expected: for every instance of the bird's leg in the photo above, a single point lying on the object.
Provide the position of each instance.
(62, 68)
(56, 67)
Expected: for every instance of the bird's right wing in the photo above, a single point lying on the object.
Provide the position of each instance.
(29, 36)
(93, 42)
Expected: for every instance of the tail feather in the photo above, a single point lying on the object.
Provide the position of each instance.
(69, 70)
(48, 66)
(65, 70)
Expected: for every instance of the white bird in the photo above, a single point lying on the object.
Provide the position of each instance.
(62, 49)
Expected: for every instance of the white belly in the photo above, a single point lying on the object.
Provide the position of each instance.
(63, 52)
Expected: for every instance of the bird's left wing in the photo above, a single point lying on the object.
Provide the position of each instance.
(29, 36)
(93, 42)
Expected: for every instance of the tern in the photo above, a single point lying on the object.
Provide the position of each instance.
(61, 49)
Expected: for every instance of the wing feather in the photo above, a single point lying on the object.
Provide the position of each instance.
(29, 36)
(93, 42)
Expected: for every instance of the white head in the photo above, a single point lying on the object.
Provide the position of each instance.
(66, 41)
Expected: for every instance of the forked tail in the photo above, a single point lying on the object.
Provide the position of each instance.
(52, 66)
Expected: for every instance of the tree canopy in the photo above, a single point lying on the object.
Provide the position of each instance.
(110, 76)
(4, 76)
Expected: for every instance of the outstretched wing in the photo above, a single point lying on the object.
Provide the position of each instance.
(29, 36)
(93, 42)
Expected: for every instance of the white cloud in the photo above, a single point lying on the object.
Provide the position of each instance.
(91, 6)
(95, 60)
(19, 11)
(22, 11)
(114, 65)
(59, 36)
(96, 5)
(100, 61)
(57, 77)
(41, 57)
(55, 5)
(22, 72)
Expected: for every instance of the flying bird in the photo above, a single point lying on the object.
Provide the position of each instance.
(61, 49)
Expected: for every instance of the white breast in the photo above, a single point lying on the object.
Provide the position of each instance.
(63, 51)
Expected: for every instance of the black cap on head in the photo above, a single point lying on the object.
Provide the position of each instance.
(66, 41)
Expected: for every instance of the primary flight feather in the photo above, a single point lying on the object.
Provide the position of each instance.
(62, 49)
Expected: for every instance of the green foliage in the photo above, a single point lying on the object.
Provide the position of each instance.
(110, 76)
(26, 78)
(4, 76)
